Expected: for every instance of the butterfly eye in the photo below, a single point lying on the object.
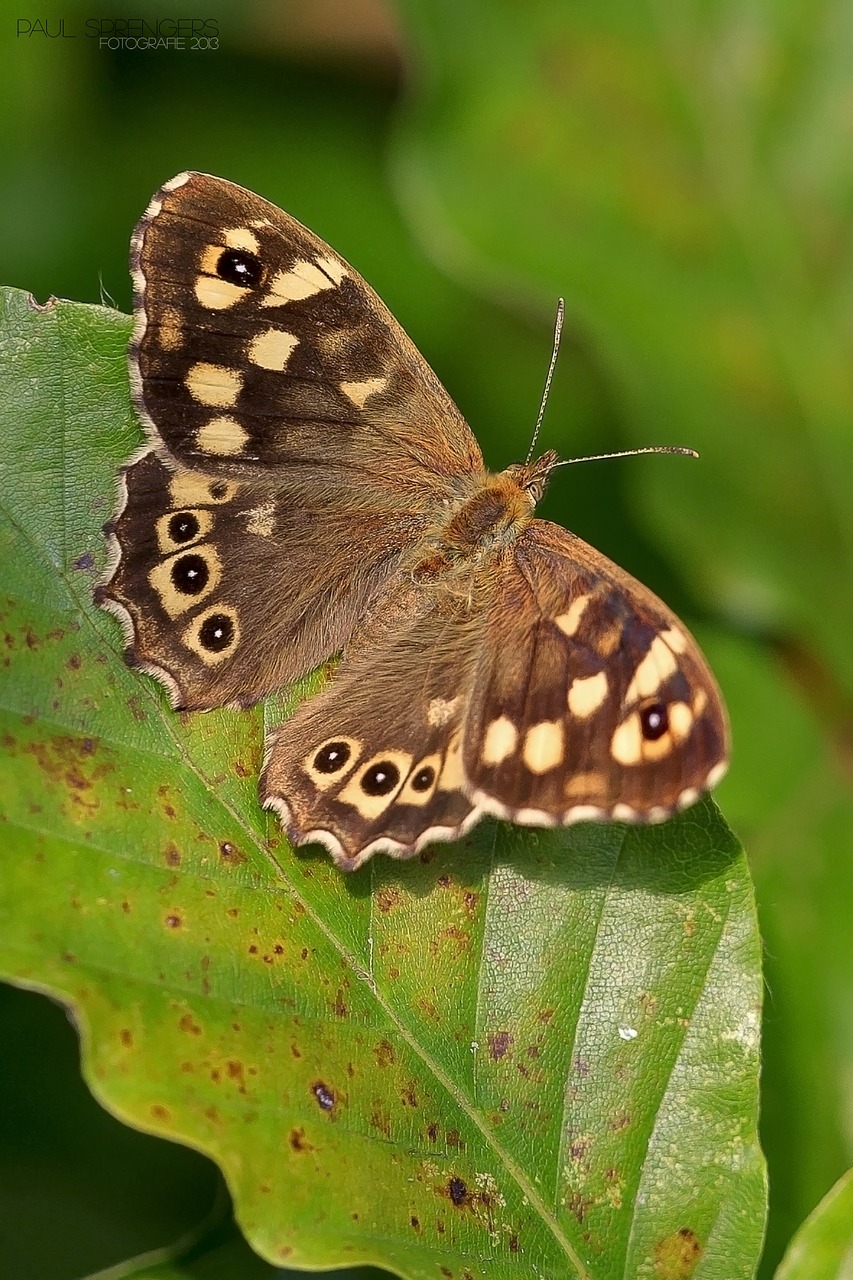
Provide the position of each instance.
(654, 721)
(238, 266)
(380, 778)
(190, 574)
(332, 757)
(183, 527)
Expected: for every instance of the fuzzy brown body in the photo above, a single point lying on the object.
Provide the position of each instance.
(311, 490)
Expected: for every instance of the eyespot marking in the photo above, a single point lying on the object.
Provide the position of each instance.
(373, 787)
(186, 578)
(421, 782)
(214, 635)
(179, 529)
(326, 764)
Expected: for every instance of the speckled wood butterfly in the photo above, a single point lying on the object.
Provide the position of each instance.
(310, 489)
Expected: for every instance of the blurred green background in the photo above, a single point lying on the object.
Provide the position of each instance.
(683, 174)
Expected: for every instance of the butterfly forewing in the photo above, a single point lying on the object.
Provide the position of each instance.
(257, 349)
(591, 699)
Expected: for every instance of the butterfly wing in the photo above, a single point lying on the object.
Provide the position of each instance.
(258, 352)
(227, 589)
(590, 699)
(373, 764)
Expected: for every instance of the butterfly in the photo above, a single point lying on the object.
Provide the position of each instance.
(311, 490)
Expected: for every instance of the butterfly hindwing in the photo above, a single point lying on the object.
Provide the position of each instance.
(220, 587)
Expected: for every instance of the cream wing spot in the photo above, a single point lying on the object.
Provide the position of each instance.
(303, 280)
(332, 267)
(583, 784)
(242, 238)
(260, 520)
(442, 710)
(500, 741)
(680, 720)
(170, 329)
(655, 668)
(569, 621)
(214, 384)
(452, 776)
(586, 694)
(360, 392)
(626, 745)
(222, 436)
(675, 638)
(717, 774)
(272, 349)
(544, 746)
(190, 489)
(216, 294)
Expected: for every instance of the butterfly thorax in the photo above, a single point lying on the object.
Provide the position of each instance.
(490, 516)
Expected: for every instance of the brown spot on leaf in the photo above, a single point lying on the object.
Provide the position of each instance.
(172, 855)
(231, 854)
(173, 922)
(188, 1025)
(415, 1223)
(125, 1035)
(513, 1244)
(381, 1120)
(160, 1112)
(388, 897)
(458, 1191)
(499, 1042)
(299, 1142)
(384, 1054)
(677, 1255)
(578, 1205)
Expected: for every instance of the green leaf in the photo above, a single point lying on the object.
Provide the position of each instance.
(822, 1249)
(681, 172)
(534, 1053)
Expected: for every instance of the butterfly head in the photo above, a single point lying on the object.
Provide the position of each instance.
(532, 477)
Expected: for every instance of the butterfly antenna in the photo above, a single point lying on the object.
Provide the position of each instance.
(555, 351)
(629, 453)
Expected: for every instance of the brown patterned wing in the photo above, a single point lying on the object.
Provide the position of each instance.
(373, 764)
(591, 700)
(227, 589)
(258, 351)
